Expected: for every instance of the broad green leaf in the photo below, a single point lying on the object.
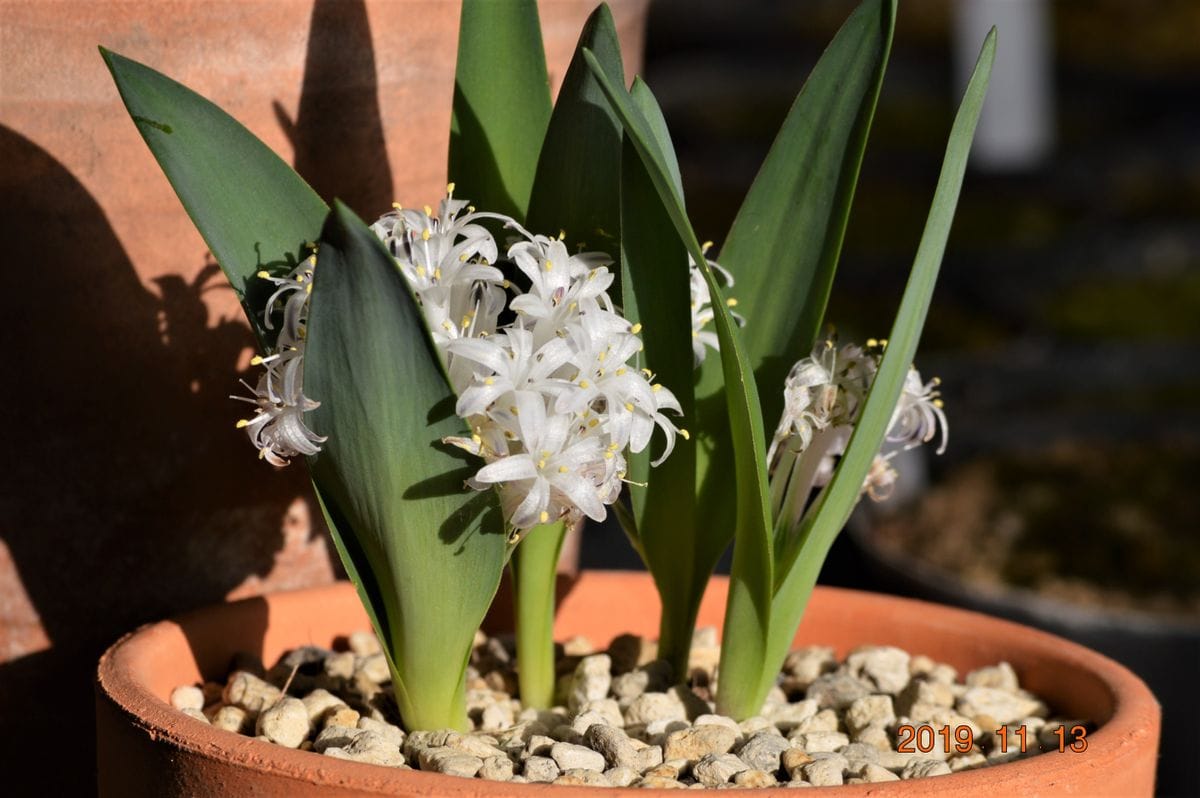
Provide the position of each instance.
(783, 246)
(655, 269)
(430, 553)
(746, 619)
(577, 188)
(253, 211)
(804, 551)
(501, 105)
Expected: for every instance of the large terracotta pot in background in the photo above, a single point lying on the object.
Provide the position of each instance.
(148, 748)
(127, 493)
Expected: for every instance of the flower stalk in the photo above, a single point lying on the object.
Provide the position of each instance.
(535, 575)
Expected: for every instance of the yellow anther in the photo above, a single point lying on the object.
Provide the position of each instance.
(695, 334)
(592, 274)
(470, 209)
(489, 380)
(883, 342)
(421, 271)
(584, 384)
(466, 320)
(637, 328)
(649, 374)
(608, 455)
(731, 302)
(506, 284)
(463, 258)
(257, 360)
(871, 342)
(705, 247)
(562, 234)
(572, 306)
(243, 423)
(592, 424)
(621, 371)
(544, 517)
(656, 387)
(478, 440)
(264, 274)
(687, 436)
(600, 372)
(549, 265)
(425, 234)
(397, 206)
(308, 288)
(513, 409)
(612, 447)
(437, 273)
(428, 211)
(449, 188)
(629, 406)
(937, 380)
(938, 403)
(541, 463)
(563, 469)
(446, 325)
(601, 356)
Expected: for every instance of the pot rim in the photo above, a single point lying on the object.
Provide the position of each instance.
(121, 680)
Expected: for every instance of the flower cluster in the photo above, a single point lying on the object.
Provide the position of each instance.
(553, 398)
(277, 428)
(823, 395)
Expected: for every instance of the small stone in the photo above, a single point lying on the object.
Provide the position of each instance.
(302, 657)
(576, 757)
(374, 668)
(923, 768)
(793, 760)
(364, 644)
(650, 707)
(578, 646)
(342, 716)
(755, 778)
(920, 694)
(859, 754)
(837, 690)
(717, 769)
(972, 759)
(717, 720)
(496, 768)
(661, 783)
(999, 706)
(336, 737)
(825, 772)
(696, 743)
(195, 713)
(370, 748)
(318, 702)
(875, 737)
(393, 734)
(647, 758)
(449, 761)
(249, 692)
(187, 696)
(340, 665)
(613, 744)
(669, 770)
(763, 750)
(885, 667)
(539, 745)
(787, 717)
(233, 719)
(540, 768)
(474, 745)
(496, 717)
(804, 665)
(822, 742)
(872, 710)
(419, 740)
(565, 733)
(824, 721)
(285, 723)
(755, 724)
(592, 678)
(1000, 676)
(583, 778)
(621, 776)
(874, 773)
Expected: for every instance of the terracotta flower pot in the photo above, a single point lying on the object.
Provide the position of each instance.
(148, 748)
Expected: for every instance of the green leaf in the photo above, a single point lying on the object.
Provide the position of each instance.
(501, 105)
(577, 188)
(655, 268)
(253, 211)
(428, 552)
(804, 551)
(784, 244)
(750, 587)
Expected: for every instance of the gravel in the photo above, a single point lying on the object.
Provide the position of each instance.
(878, 715)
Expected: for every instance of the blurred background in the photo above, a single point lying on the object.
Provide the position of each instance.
(1065, 328)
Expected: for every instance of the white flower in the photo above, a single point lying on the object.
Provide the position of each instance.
(277, 428)
(702, 312)
(823, 396)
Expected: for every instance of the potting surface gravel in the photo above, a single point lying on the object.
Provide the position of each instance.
(879, 715)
